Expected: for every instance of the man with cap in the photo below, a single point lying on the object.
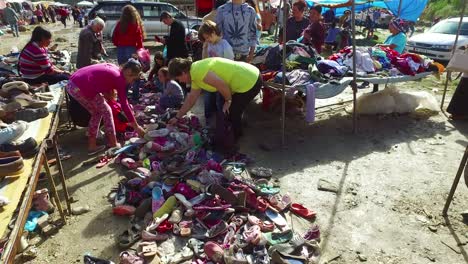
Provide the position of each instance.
(175, 42)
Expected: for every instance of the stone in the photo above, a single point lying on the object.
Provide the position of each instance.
(79, 210)
(327, 186)
(362, 257)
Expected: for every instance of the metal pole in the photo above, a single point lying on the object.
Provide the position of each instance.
(455, 182)
(353, 84)
(453, 52)
(283, 103)
(399, 8)
(277, 22)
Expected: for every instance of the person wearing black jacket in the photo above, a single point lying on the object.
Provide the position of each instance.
(175, 42)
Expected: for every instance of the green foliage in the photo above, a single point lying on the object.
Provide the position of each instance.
(442, 8)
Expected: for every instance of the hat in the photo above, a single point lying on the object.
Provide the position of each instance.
(164, 15)
(399, 24)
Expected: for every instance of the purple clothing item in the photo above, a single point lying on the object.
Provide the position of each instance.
(103, 78)
(310, 103)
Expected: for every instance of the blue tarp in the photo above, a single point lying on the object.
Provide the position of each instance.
(410, 9)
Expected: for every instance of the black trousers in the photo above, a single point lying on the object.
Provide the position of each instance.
(240, 101)
(459, 103)
(48, 78)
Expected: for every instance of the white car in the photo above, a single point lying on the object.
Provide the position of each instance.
(437, 42)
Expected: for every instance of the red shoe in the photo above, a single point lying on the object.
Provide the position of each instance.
(300, 210)
(123, 210)
(164, 227)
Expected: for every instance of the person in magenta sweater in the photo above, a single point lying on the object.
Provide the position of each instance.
(128, 34)
(90, 85)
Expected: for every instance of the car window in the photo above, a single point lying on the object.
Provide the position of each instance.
(170, 9)
(151, 10)
(110, 10)
(449, 27)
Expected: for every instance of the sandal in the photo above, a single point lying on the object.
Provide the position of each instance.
(280, 202)
(197, 247)
(217, 230)
(103, 161)
(129, 258)
(123, 210)
(130, 236)
(300, 210)
(276, 218)
(147, 249)
(261, 172)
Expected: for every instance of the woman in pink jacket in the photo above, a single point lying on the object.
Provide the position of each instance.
(89, 86)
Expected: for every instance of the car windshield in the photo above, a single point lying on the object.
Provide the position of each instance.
(449, 27)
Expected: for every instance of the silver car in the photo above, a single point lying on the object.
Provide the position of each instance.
(150, 12)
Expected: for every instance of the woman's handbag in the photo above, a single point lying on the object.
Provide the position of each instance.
(459, 61)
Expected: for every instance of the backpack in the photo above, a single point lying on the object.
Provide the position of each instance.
(77, 113)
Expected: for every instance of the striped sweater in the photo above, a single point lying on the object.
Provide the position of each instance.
(34, 61)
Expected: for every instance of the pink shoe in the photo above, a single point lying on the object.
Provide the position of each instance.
(148, 236)
(213, 251)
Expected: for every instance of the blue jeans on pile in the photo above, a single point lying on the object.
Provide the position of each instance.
(124, 53)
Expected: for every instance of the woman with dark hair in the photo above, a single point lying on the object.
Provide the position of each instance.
(90, 85)
(128, 34)
(237, 83)
(34, 64)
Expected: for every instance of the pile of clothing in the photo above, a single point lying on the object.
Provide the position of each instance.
(176, 188)
(383, 62)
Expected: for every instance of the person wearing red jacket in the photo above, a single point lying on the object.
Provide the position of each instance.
(63, 13)
(128, 34)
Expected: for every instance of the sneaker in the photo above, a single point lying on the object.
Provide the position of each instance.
(11, 132)
(30, 115)
(27, 148)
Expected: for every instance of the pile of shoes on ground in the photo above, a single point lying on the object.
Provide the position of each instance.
(176, 189)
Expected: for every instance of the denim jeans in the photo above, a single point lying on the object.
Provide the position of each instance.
(14, 29)
(124, 53)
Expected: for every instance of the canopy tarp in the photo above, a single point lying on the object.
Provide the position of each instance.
(85, 3)
(410, 9)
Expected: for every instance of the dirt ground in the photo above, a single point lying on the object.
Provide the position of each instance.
(392, 179)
